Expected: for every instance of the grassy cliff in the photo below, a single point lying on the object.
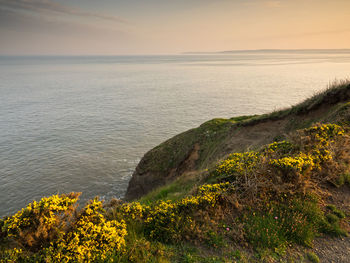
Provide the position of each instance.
(202, 147)
(225, 195)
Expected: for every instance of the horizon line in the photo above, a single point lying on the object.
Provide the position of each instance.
(271, 50)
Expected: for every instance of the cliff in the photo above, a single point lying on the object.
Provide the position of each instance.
(200, 148)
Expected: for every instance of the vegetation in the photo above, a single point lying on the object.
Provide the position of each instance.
(334, 94)
(47, 231)
(251, 206)
(312, 257)
(202, 147)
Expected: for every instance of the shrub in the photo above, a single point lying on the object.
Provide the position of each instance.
(297, 164)
(12, 256)
(324, 133)
(40, 222)
(237, 165)
(50, 233)
(90, 239)
(131, 211)
(170, 220)
(281, 148)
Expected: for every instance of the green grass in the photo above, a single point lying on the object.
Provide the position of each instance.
(331, 226)
(312, 257)
(174, 190)
(139, 249)
(215, 240)
(271, 237)
(340, 214)
(297, 221)
(343, 179)
(243, 118)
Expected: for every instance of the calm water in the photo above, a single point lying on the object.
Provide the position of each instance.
(83, 123)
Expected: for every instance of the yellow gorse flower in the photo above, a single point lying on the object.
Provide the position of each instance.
(89, 237)
(166, 219)
(92, 238)
(48, 209)
(238, 163)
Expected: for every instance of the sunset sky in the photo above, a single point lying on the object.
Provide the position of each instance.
(105, 27)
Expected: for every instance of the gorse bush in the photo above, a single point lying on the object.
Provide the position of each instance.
(41, 221)
(282, 147)
(324, 133)
(13, 255)
(240, 164)
(286, 166)
(85, 237)
(172, 220)
(296, 164)
(133, 212)
(91, 238)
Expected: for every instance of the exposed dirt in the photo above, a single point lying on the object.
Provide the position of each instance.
(340, 197)
(336, 250)
(332, 250)
(188, 165)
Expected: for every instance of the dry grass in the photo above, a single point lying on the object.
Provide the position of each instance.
(338, 91)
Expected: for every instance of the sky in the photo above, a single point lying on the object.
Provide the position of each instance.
(130, 27)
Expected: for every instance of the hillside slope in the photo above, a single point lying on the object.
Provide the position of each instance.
(201, 147)
(285, 201)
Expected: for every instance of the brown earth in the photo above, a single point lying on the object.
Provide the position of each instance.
(336, 250)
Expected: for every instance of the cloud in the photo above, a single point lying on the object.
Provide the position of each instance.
(26, 33)
(12, 20)
(51, 6)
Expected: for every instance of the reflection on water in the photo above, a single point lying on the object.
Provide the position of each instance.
(83, 123)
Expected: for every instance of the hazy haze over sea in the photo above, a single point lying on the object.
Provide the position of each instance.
(83, 123)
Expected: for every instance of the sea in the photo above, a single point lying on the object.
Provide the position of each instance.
(82, 123)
